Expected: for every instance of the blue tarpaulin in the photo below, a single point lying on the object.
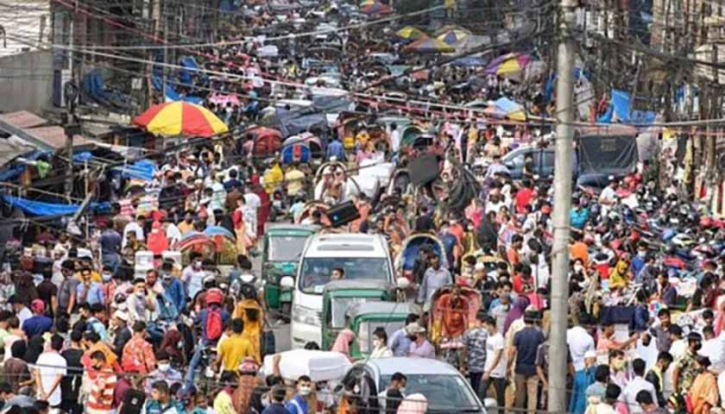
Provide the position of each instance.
(40, 208)
(140, 170)
(82, 157)
(171, 94)
(620, 107)
(11, 171)
(470, 61)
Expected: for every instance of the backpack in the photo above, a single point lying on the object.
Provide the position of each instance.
(214, 323)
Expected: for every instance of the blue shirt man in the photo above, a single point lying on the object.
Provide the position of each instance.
(37, 324)
(578, 217)
(174, 290)
(88, 291)
(335, 149)
(399, 343)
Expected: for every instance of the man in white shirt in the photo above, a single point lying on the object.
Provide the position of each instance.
(637, 384)
(494, 370)
(133, 226)
(579, 342)
(608, 196)
(50, 369)
(714, 349)
(21, 311)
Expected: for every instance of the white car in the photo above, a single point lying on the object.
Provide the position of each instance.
(446, 390)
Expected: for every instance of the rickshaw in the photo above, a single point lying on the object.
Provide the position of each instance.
(218, 248)
(453, 309)
(339, 295)
(266, 141)
(366, 317)
(310, 149)
(282, 247)
(351, 186)
(410, 253)
(311, 206)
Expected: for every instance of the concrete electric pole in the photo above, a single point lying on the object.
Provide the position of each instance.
(562, 205)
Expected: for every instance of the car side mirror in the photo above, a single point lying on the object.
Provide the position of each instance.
(287, 282)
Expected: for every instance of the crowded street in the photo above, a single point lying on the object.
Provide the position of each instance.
(386, 207)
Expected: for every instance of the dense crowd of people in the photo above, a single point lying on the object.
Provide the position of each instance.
(111, 322)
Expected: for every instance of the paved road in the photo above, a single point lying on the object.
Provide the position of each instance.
(281, 331)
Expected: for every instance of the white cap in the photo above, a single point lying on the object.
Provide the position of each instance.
(590, 354)
(479, 266)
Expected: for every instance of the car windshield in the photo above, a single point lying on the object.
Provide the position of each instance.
(445, 393)
(286, 248)
(316, 271)
(366, 329)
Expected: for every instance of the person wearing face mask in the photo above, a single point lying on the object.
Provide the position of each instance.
(687, 368)
(380, 347)
(193, 276)
(304, 398)
(163, 372)
(173, 288)
(139, 302)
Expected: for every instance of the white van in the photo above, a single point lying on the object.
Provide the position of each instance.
(361, 256)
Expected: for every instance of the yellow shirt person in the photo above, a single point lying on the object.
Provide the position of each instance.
(234, 349)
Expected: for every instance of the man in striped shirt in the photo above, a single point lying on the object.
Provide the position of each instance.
(100, 400)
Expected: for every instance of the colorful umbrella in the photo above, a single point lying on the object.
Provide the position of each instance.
(411, 33)
(180, 118)
(508, 64)
(429, 46)
(376, 9)
(506, 108)
(452, 36)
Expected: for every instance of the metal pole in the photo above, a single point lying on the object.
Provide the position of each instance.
(562, 205)
(166, 57)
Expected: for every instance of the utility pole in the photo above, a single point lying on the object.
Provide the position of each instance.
(562, 204)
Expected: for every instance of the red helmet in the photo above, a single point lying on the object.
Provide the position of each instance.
(214, 296)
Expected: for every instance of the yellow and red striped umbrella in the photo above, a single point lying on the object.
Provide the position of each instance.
(181, 119)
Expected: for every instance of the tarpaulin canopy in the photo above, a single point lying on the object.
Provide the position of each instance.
(429, 46)
(140, 170)
(40, 208)
(508, 64)
(452, 36)
(411, 33)
(376, 9)
(470, 61)
(620, 110)
(508, 108)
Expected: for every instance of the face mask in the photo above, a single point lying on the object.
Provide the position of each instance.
(305, 391)
(140, 294)
(106, 277)
(197, 265)
(641, 253)
(402, 390)
(164, 367)
(618, 364)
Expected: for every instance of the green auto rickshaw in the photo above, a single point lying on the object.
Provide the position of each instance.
(281, 252)
(364, 318)
(340, 295)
